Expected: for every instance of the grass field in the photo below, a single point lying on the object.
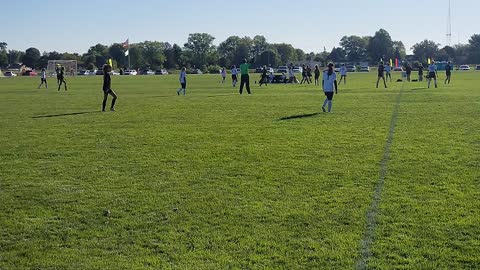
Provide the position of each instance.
(214, 180)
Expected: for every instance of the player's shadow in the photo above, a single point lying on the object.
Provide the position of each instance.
(61, 114)
(299, 116)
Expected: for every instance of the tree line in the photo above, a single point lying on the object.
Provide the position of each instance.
(200, 52)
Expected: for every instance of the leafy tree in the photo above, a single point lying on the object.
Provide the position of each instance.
(243, 51)
(3, 58)
(399, 50)
(172, 55)
(136, 56)
(101, 54)
(32, 55)
(380, 46)
(260, 44)
(3, 54)
(462, 52)
(474, 49)
(117, 52)
(337, 55)
(355, 48)
(425, 49)
(199, 46)
(153, 53)
(300, 55)
(227, 50)
(286, 52)
(268, 57)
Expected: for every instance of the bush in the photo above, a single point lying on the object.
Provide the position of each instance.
(214, 69)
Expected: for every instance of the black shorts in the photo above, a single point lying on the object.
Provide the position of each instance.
(107, 91)
(234, 78)
(432, 75)
(449, 74)
(329, 95)
(381, 75)
(184, 85)
(43, 80)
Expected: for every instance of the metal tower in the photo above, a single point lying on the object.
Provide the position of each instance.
(449, 25)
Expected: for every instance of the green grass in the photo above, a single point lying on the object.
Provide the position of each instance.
(215, 180)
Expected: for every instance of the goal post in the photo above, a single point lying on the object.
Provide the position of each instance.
(70, 67)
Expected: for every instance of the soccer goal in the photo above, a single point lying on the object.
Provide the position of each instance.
(70, 67)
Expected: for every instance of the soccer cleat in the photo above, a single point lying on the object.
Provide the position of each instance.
(323, 109)
(112, 109)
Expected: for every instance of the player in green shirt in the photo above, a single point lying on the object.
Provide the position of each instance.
(245, 78)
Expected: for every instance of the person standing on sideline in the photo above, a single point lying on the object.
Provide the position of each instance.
(343, 74)
(432, 74)
(57, 71)
(381, 75)
(329, 83)
(409, 71)
(448, 72)
(61, 78)
(234, 75)
(264, 77)
(224, 74)
(43, 79)
(183, 82)
(388, 72)
(107, 83)
(317, 75)
(291, 75)
(420, 73)
(245, 78)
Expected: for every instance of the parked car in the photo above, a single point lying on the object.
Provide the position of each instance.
(297, 70)
(147, 72)
(9, 74)
(130, 72)
(351, 68)
(364, 69)
(30, 73)
(477, 67)
(194, 71)
(82, 72)
(93, 72)
(161, 72)
(258, 70)
(99, 72)
(397, 69)
(282, 69)
(464, 67)
(114, 73)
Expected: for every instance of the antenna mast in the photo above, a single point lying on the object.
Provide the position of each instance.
(449, 25)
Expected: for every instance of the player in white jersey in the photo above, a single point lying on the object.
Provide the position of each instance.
(234, 75)
(432, 74)
(329, 84)
(388, 72)
(183, 82)
(43, 79)
(223, 72)
(343, 74)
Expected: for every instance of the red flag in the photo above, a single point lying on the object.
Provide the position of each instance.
(125, 44)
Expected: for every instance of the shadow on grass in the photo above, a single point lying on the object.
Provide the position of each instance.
(223, 95)
(62, 114)
(300, 116)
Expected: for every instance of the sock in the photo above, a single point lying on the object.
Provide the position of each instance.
(104, 104)
(329, 106)
(113, 102)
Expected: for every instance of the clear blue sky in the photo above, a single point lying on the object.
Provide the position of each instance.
(74, 26)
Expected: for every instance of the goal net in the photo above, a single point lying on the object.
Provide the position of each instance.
(70, 67)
